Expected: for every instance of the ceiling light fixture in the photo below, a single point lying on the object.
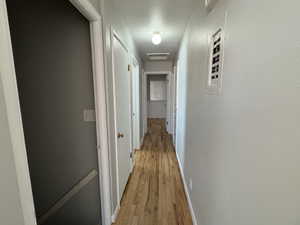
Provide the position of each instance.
(158, 56)
(156, 38)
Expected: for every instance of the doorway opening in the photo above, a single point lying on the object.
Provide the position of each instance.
(157, 100)
(62, 99)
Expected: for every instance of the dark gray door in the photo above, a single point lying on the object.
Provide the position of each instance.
(52, 52)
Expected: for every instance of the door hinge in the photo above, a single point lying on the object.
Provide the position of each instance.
(131, 155)
(129, 67)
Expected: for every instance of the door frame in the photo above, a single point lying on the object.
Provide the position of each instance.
(8, 78)
(114, 34)
(145, 100)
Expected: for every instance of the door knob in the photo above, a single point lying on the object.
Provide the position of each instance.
(120, 135)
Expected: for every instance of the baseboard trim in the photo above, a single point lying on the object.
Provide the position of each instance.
(115, 215)
(187, 193)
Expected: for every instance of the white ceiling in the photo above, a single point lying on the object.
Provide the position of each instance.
(143, 17)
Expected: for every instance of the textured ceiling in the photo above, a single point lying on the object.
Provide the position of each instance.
(143, 17)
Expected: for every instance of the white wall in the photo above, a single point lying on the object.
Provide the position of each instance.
(241, 148)
(96, 4)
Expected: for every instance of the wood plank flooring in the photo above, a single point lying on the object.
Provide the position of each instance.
(155, 193)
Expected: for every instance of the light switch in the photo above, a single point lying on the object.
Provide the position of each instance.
(89, 115)
(191, 184)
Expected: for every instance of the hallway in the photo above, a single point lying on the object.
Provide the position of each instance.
(155, 192)
(140, 112)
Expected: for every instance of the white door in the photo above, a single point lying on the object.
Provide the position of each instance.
(135, 105)
(122, 113)
(144, 102)
(174, 105)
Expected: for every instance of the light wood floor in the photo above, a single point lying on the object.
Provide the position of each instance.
(155, 194)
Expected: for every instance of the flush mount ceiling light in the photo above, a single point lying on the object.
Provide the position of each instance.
(158, 56)
(156, 38)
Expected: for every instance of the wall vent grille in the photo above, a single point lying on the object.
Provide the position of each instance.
(216, 61)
